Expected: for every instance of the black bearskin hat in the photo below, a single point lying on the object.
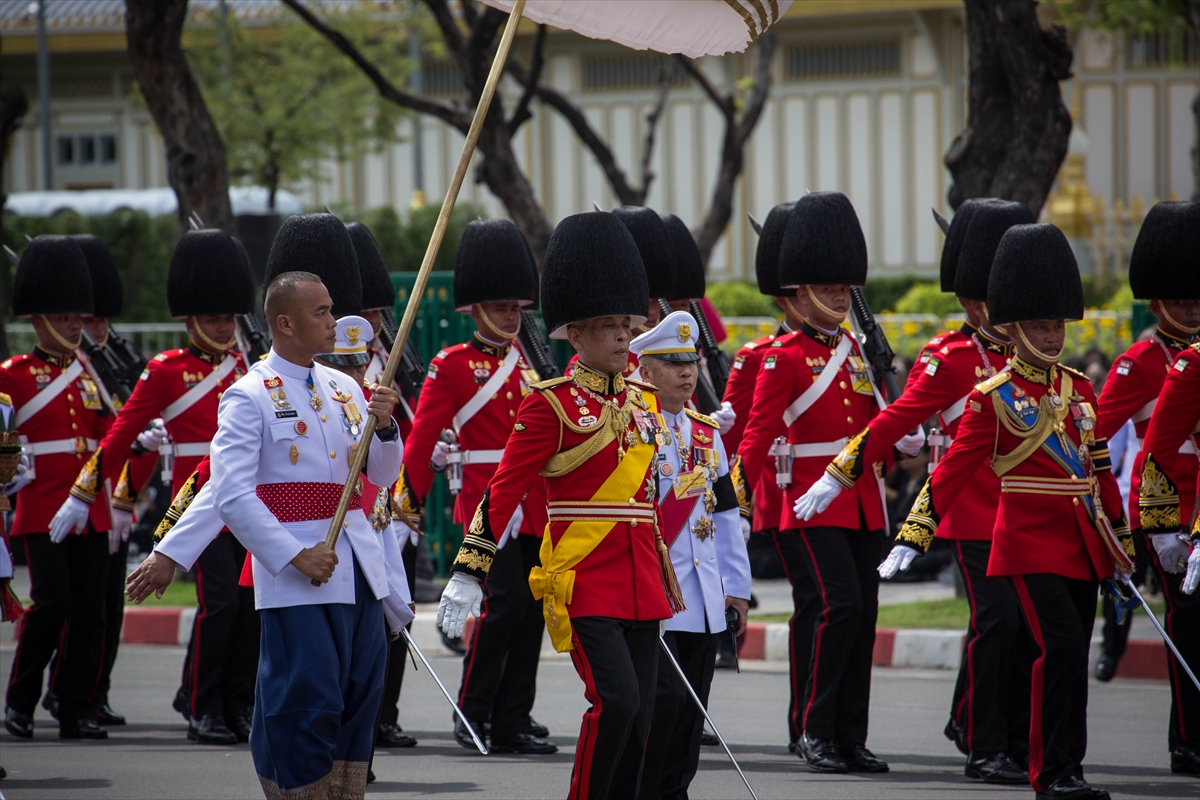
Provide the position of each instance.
(108, 298)
(377, 291)
(654, 245)
(209, 274)
(766, 257)
(689, 267)
(592, 269)
(1034, 276)
(954, 239)
(1165, 263)
(988, 223)
(320, 244)
(494, 265)
(823, 243)
(52, 278)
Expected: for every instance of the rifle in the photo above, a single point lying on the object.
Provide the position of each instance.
(941, 221)
(875, 345)
(719, 366)
(411, 374)
(108, 369)
(707, 399)
(533, 345)
(254, 339)
(131, 360)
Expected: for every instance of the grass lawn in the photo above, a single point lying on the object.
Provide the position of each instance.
(952, 613)
(179, 593)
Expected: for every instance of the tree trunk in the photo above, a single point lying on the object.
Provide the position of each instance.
(196, 165)
(504, 178)
(13, 106)
(1017, 125)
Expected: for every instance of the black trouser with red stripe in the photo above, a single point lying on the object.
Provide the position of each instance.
(1060, 614)
(806, 604)
(1183, 626)
(222, 656)
(842, 563)
(389, 711)
(991, 698)
(618, 662)
(114, 617)
(499, 679)
(67, 588)
(673, 747)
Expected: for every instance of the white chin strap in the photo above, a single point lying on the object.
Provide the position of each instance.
(207, 343)
(812, 298)
(66, 346)
(503, 336)
(1188, 329)
(1025, 341)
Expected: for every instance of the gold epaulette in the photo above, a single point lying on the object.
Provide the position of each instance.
(1196, 346)
(5, 400)
(993, 383)
(642, 384)
(550, 383)
(696, 415)
(1073, 371)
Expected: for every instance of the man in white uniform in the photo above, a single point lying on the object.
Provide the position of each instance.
(702, 528)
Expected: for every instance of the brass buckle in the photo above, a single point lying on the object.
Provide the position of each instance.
(80, 445)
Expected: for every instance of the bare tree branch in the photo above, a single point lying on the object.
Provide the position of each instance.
(537, 59)
(469, 13)
(451, 33)
(388, 90)
(476, 57)
(665, 76)
(722, 101)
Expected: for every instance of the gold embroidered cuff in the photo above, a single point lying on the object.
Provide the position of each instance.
(921, 524)
(405, 506)
(179, 504)
(87, 484)
(1158, 504)
(847, 466)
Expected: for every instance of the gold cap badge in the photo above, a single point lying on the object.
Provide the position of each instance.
(685, 331)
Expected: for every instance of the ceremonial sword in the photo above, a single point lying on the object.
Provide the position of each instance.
(704, 711)
(413, 644)
(1162, 631)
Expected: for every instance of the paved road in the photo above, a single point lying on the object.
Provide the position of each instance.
(150, 758)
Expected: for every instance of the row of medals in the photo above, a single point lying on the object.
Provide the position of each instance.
(351, 416)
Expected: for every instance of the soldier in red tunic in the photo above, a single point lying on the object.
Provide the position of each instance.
(1164, 270)
(61, 417)
(1060, 527)
(991, 703)
(474, 390)
(208, 284)
(816, 380)
(594, 437)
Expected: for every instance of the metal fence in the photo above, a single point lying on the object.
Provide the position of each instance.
(150, 338)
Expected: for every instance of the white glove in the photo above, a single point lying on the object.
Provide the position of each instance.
(152, 437)
(440, 457)
(745, 529)
(817, 498)
(662, 627)
(403, 531)
(512, 529)
(911, 443)
(19, 478)
(725, 417)
(899, 560)
(461, 598)
(1172, 551)
(71, 516)
(1193, 572)
(122, 522)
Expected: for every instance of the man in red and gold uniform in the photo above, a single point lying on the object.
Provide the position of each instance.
(474, 390)
(594, 437)
(989, 714)
(763, 517)
(1060, 527)
(209, 282)
(61, 417)
(1163, 269)
(816, 380)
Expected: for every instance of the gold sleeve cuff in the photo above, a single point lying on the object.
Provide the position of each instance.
(921, 523)
(124, 496)
(478, 549)
(87, 483)
(404, 503)
(179, 504)
(745, 498)
(1158, 504)
(847, 466)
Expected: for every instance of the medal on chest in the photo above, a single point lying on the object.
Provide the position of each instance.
(278, 393)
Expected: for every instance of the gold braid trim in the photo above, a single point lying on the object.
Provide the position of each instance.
(745, 501)
(404, 502)
(317, 790)
(1049, 421)
(348, 780)
(87, 484)
(847, 465)
(922, 522)
(124, 496)
(1158, 503)
(473, 560)
(179, 504)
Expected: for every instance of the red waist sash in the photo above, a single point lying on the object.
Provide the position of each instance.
(304, 501)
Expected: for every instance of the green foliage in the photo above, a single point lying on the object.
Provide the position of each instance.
(403, 239)
(882, 294)
(1121, 300)
(1135, 17)
(141, 245)
(927, 298)
(741, 299)
(285, 99)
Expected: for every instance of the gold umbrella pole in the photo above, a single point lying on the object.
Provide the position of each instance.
(435, 243)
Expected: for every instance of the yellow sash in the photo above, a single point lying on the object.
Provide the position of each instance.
(554, 581)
